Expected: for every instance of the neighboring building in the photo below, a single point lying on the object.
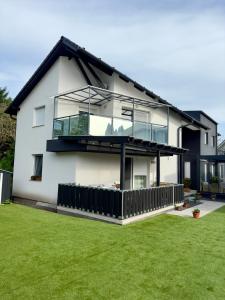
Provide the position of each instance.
(221, 154)
(201, 161)
(221, 148)
(81, 120)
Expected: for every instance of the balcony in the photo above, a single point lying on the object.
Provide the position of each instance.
(97, 125)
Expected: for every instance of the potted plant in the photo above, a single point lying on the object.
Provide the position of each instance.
(187, 184)
(214, 184)
(198, 196)
(196, 213)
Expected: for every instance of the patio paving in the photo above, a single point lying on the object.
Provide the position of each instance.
(205, 207)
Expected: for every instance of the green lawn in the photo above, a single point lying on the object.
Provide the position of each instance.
(48, 256)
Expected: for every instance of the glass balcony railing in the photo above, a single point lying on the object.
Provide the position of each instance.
(84, 124)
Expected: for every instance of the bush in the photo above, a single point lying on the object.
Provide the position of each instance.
(187, 182)
(214, 179)
(7, 159)
(7, 201)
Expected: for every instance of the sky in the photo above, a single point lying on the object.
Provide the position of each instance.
(174, 48)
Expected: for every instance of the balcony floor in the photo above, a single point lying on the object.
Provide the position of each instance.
(111, 144)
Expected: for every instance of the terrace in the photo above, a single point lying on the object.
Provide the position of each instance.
(107, 122)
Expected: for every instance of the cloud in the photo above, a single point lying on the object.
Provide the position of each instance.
(176, 48)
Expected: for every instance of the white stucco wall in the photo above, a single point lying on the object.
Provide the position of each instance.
(95, 168)
(32, 140)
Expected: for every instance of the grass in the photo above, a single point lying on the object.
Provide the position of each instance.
(48, 256)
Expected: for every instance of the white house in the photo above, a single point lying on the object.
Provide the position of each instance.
(74, 117)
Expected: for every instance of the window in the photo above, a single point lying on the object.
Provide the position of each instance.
(39, 116)
(38, 162)
(222, 171)
(187, 169)
(141, 116)
(140, 181)
(213, 141)
(206, 140)
(212, 171)
(205, 172)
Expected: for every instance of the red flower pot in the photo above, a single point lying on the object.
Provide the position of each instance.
(196, 214)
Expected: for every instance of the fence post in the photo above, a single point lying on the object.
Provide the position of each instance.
(122, 206)
(1, 186)
(173, 196)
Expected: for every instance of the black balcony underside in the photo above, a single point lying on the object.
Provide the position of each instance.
(111, 144)
(214, 158)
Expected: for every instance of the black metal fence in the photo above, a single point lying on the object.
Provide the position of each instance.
(116, 203)
(5, 186)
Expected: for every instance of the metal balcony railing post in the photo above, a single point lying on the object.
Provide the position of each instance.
(89, 95)
(69, 126)
(151, 132)
(53, 123)
(133, 120)
(112, 124)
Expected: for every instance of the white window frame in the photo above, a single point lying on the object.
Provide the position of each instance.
(41, 123)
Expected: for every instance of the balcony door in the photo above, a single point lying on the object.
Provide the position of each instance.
(128, 173)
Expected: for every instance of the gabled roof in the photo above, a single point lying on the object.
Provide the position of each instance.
(65, 47)
(194, 113)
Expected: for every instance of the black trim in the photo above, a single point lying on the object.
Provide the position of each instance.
(192, 112)
(95, 75)
(158, 169)
(214, 158)
(110, 144)
(83, 71)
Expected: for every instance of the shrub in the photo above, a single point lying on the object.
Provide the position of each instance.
(187, 182)
(214, 179)
(7, 201)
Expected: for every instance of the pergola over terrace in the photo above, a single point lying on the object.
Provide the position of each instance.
(93, 95)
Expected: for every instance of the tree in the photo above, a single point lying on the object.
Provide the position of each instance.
(4, 96)
(7, 132)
